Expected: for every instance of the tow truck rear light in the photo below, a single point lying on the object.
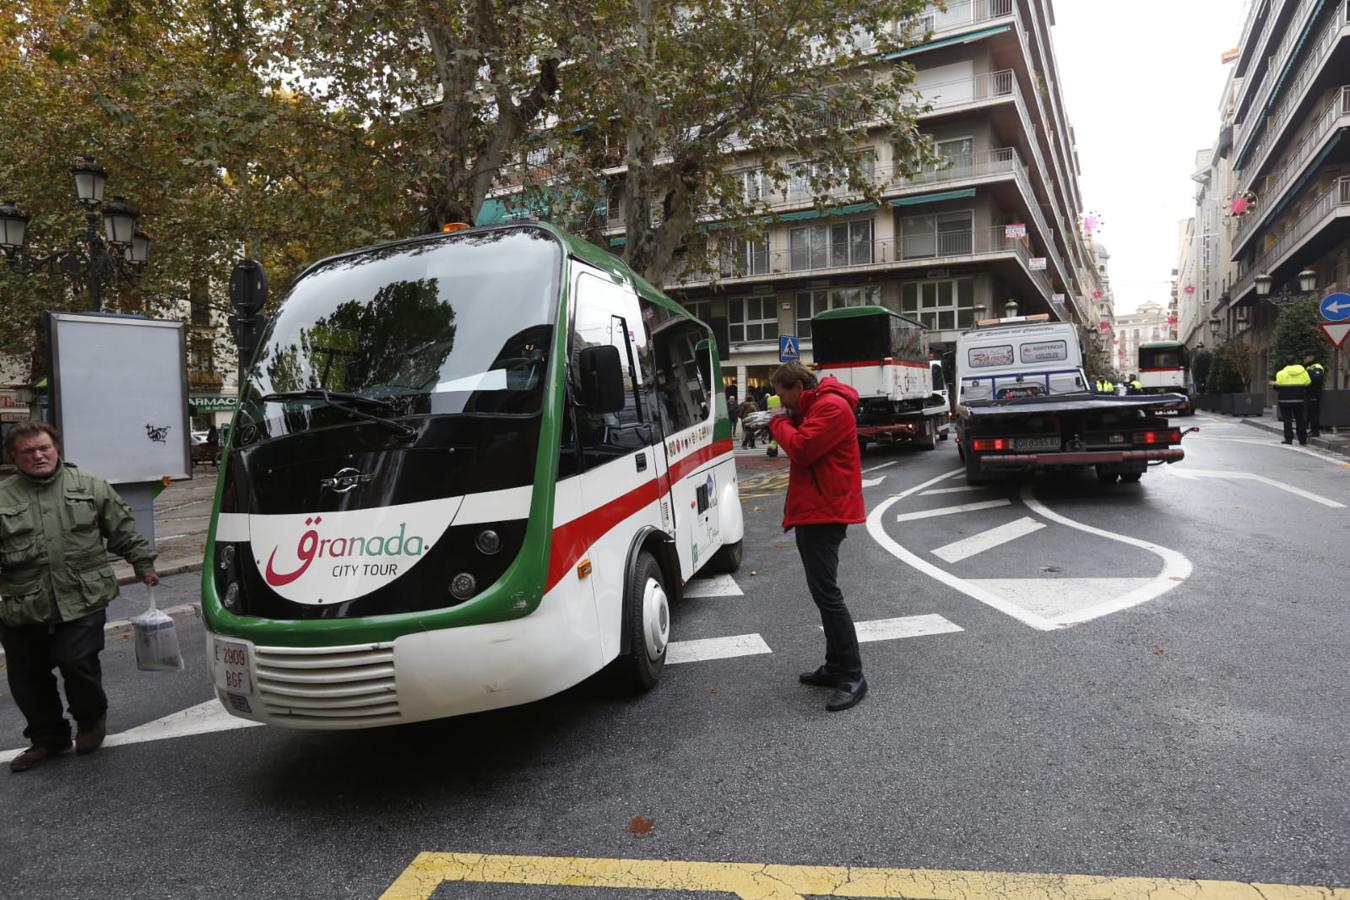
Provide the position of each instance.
(1171, 436)
(984, 445)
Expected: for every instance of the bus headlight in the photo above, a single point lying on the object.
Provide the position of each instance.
(488, 541)
(463, 586)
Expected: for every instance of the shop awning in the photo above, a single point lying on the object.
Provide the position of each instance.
(804, 214)
(944, 42)
(932, 198)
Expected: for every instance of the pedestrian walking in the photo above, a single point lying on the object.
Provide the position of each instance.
(56, 583)
(824, 496)
(1291, 386)
(1317, 373)
(733, 411)
(748, 433)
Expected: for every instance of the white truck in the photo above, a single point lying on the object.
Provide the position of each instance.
(1025, 404)
(884, 357)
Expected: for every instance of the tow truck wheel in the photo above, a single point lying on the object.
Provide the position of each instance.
(929, 439)
(727, 559)
(1131, 477)
(1106, 477)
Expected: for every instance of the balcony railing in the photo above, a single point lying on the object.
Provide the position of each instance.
(1315, 134)
(1334, 199)
(961, 14)
(1317, 51)
(917, 249)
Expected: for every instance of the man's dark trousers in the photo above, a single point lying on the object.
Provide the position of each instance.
(1314, 413)
(1295, 415)
(819, 549)
(32, 651)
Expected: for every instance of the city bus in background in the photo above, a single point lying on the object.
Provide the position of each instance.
(884, 357)
(1164, 368)
(467, 471)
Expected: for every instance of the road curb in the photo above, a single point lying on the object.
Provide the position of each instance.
(163, 573)
(1321, 443)
(123, 627)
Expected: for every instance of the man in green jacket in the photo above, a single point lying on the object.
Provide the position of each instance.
(55, 585)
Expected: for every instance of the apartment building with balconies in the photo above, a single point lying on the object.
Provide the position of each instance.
(996, 222)
(1291, 163)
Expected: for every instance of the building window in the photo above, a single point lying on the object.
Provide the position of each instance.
(943, 234)
(744, 257)
(811, 303)
(752, 319)
(802, 174)
(754, 185)
(941, 305)
(699, 309)
(828, 246)
(959, 153)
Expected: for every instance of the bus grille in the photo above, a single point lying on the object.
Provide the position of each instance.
(338, 686)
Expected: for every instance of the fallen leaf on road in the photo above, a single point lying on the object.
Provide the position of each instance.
(639, 825)
(1159, 651)
(712, 690)
(753, 572)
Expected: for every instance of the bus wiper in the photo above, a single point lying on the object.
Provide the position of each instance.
(348, 403)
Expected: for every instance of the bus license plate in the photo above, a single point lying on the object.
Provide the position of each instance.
(1037, 443)
(232, 669)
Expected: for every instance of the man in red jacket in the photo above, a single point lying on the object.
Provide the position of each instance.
(824, 496)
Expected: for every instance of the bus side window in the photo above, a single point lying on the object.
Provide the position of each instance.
(683, 366)
(607, 313)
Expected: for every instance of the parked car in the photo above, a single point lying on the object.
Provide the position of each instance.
(202, 452)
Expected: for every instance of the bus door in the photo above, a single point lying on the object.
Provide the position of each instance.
(621, 481)
(686, 404)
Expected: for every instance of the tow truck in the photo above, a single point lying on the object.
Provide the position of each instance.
(884, 356)
(1024, 404)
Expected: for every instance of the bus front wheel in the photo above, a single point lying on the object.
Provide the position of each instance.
(647, 618)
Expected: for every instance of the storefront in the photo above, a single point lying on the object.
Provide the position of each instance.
(212, 409)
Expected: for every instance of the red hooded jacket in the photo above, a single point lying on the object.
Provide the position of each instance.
(821, 442)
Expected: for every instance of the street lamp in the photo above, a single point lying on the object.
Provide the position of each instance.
(1214, 327)
(121, 250)
(1307, 284)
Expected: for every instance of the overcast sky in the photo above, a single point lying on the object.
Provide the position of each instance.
(1141, 83)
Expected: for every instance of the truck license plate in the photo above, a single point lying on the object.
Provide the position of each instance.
(1037, 443)
(232, 669)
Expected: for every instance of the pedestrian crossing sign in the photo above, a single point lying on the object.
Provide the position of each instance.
(789, 348)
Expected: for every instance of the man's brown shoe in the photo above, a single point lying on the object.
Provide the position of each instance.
(87, 740)
(35, 755)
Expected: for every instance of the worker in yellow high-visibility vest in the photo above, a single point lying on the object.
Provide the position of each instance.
(1291, 386)
(773, 402)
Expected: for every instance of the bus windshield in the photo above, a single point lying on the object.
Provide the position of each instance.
(457, 325)
(1161, 358)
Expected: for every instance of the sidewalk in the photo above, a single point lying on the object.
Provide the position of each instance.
(1329, 440)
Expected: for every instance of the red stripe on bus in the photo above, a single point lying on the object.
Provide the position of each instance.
(572, 539)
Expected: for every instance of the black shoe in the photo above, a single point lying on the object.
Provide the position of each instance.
(1303, 443)
(87, 740)
(847, 694)
(36, 755)
(1286, 442)
(821, 677)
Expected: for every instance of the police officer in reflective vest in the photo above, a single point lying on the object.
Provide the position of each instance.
(1318, 373)
(1291, 386)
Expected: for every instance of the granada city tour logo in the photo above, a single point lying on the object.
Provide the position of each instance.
(359, 555)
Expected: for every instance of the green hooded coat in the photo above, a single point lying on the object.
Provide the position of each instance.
(53, 563)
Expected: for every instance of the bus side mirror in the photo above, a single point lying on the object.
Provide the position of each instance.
(601, 376)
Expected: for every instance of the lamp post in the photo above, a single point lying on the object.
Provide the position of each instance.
(1307, 285)
(119, 250)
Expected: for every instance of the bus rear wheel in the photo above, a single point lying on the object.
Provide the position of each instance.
(647, 618)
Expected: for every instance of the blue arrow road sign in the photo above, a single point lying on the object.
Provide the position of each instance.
(1335, 307)
(789, 349)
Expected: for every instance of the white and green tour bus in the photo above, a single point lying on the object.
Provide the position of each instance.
(467, 471)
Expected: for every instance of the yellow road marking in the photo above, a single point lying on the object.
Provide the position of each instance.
(751, 881)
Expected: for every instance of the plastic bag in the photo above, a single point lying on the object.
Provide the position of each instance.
(156, 640)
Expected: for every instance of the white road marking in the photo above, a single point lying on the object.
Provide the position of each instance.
(873, 482)
(204, 718)
(882, 466)
(1189, 472)
(1061, 599)
(903, 627)
(952, 510)
(961, 489)
(877, 530)
(987, 540)
(1176, 567)
(715, 648)
(715, 586)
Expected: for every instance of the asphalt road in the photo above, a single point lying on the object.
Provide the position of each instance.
(1124, 681)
